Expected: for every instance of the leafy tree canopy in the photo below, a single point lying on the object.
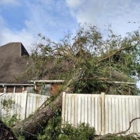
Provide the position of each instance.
(106, 64)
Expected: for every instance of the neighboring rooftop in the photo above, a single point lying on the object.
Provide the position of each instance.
(14, 49)
(14, 60)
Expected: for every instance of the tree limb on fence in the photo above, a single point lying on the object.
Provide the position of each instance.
(120, 133)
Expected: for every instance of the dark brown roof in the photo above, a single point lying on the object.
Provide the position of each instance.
(14, 60)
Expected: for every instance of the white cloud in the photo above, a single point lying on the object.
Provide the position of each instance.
(7, 35)
(23, 36)
(5, 2)
(51, 18)
(1, 21)
(117, 13)
(74, 3)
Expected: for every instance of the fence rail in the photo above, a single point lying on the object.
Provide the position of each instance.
(20, 104)
(107, 113)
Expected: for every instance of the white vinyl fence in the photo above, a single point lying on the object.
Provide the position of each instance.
(20, 104)
(107, 113)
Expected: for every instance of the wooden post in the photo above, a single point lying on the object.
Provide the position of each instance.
(103, 113)
(14, 89)
(63, 108)
(5, 88)
(25, 101)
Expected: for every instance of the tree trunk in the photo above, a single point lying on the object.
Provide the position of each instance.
(31, 126)
(6, 133)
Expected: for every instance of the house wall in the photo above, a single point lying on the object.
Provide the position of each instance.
(12, 89)
(9, 89)
(55, 88)
(1, 89)
(44, 89)
(50, 89)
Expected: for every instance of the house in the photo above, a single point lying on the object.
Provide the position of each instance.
(49, 87)
(14, 61)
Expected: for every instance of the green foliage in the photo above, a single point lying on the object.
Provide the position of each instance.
(20, 137)
(97, 62)
(54, 131)
(53, 128)
(100, 60)
(11, 121)
(7, 105)
(83, 132)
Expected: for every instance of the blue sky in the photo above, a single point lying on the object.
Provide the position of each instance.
(21, 21)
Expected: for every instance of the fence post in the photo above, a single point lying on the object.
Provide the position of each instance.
(63, 108)
(103, 113)
(26, 101)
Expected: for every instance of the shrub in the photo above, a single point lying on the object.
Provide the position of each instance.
(53, 130)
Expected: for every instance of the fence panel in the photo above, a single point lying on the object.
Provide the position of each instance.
(34, 101)
(20, 104)
(107, 113)
(82, 108)
(119, 111)
(11, 104)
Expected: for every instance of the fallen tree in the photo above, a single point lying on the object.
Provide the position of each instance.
(91, 62)
(34, 124)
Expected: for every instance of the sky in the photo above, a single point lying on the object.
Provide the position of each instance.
(23, 20)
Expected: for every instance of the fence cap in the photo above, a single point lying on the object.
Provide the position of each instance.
(15, 84)
(47, 81)
(120, 82)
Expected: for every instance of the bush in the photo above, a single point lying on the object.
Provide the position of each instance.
(83, 132)
(53, 130)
